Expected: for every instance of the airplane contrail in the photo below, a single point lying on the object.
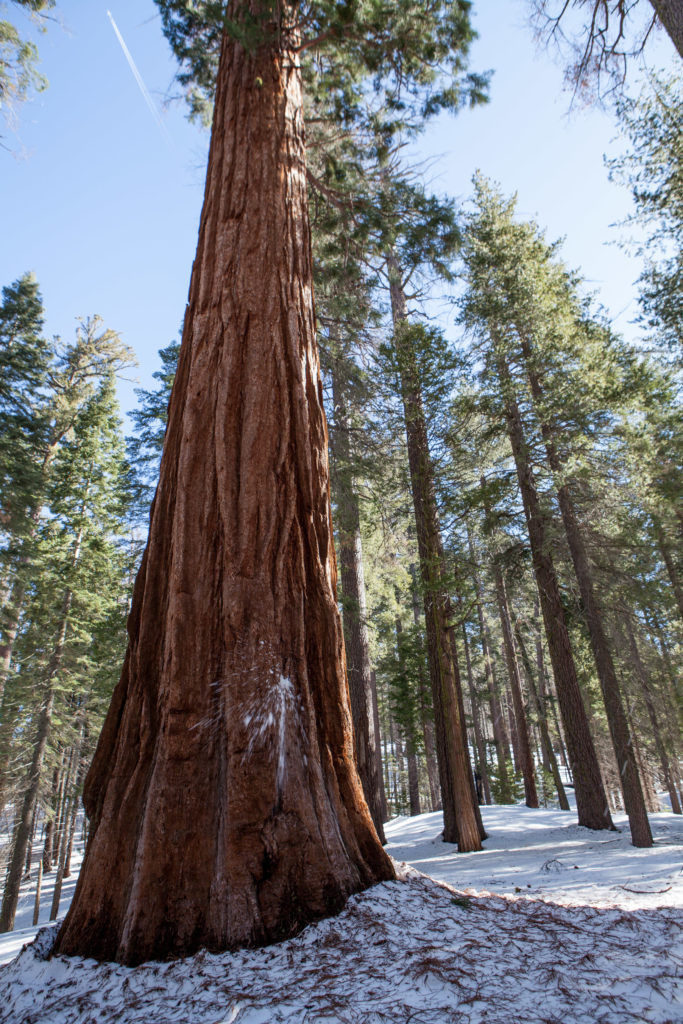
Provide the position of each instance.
(138, 78)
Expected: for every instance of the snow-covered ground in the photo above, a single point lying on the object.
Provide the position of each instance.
(550, 924)
(545, 853)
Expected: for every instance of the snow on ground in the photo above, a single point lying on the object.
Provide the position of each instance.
(514, 934)
(545, 853)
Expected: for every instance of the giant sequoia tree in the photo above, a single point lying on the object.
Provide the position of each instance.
(224, 803)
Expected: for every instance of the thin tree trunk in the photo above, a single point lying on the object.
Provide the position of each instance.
(49, 830)
(29, 847)
(425, 709)
(641, 675)
(591, 800)
(70, 843)
(432, 765)
(378, 748)
(526, 760)
(21, 837)
(230, 728)
(634, 801)
(671, 569)
(12, 618)
(499, 732)
(36, 902)
(549, 753)
(413, 782)
(651, 799)
(61, 864)
(478, 738)
(656, 628)
(450, 613)
(461, 812)
(413, 779)
(512, 727)
(354, 612)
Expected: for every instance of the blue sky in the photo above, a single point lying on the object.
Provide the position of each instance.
(103, 206)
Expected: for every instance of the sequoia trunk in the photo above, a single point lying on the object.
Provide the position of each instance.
(225, 806)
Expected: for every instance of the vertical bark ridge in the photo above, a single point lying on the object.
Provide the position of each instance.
(224, 802)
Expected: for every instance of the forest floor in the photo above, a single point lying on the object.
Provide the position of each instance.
(550, 924)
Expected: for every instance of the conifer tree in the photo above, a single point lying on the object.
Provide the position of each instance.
(486, 310)
(240, 548)
(78, 568)
(652, 168)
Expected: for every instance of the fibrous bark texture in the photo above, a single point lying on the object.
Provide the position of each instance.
(224, 803)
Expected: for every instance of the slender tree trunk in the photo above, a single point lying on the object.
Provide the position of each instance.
(478, 738)
(512, 726)
(651, 799)
(525, 758)
(432, 765)
(230, 729)
(49, 829)
(649, 704)
(29, 847)
(670, 14)
(22, 831)
(413, 779)
(61, 863)
(461, 813)
(549, 697)
(499, 733)
(634, 802)
(12, 618)
(411, 758)
(450, 614)
(36, 902)
(378, 748)
(70, 843)
(354, 614)
(677, 694)
(671, 568)
(549, 753)
(425, 708)
(591, 801)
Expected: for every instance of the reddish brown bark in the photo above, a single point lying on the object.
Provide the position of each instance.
(629, 780)
(671, 568)
(525, 758)
(549, 759)
(500, 736)
(478, 735)
(591, 800)
(225, 806)
(660, 746)
(426, 720)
